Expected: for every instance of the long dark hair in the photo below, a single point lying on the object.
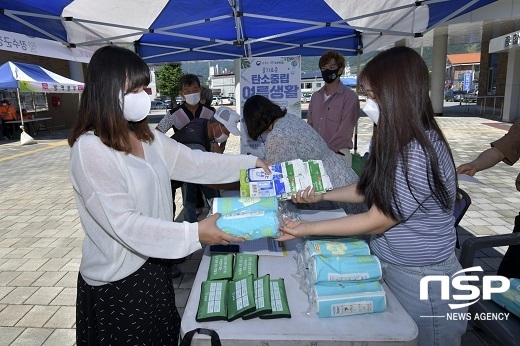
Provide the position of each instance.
(398, 80)
(111, 70)
(259, 113)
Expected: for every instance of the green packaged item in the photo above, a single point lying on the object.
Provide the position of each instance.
(212, 303)
(279, 302)
(240, 298)
(221, 267)
(262, 287)
(245, 264)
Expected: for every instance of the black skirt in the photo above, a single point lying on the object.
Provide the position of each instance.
(139, 309)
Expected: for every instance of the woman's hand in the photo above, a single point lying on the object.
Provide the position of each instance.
(210, 234)
(292, 229)
(263, 164)
(307, 196)
(467, 168)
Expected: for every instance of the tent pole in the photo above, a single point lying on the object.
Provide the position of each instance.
(357, 75)
(20, 107)
(34, 105)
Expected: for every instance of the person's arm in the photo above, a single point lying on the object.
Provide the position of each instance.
(347, 194)
(166, 123)
(200, 167)
(485, 160)
(371, 222)
(310, 118)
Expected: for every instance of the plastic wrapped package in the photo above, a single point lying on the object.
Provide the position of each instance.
(360, 302)
(248, 217)
(510, 299)
(354, 268)
(250, 225)
(286, 179)
(228, 205)
(336, 247)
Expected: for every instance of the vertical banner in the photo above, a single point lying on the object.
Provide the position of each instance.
(468, 80)
(278, 79)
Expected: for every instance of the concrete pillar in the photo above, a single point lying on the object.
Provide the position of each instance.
(76, 71)
(512, 92)
(440, 49)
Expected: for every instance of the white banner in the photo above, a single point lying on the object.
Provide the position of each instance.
(278, 79)
(19, 43)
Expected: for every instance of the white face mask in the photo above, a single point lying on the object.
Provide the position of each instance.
(372, 110)
(192, 99)
(222, 138)
(136, 106)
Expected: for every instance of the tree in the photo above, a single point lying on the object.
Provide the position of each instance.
(167, 79)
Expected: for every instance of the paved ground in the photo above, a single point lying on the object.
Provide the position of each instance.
(41, 235)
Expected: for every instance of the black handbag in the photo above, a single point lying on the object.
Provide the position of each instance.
(215, 340)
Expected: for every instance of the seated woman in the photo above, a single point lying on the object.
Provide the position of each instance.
(289, 138)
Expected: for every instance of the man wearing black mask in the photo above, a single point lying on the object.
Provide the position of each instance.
(334, 109)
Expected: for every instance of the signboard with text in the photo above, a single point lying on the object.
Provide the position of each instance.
(278, 79)
(468, 79)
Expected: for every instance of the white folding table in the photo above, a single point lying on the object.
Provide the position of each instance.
(392, 327)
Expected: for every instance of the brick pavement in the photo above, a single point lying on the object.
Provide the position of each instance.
(41, 235)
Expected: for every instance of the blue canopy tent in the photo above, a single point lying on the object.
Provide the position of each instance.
(184, 30)
(33, 78)
(163, 31)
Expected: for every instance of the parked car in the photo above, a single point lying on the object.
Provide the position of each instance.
(227, 101)
(453, 95)
(470, 96)
(158, 105)
(305, 98)
(168, 103)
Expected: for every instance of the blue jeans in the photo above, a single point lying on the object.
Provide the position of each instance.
(189, 199)
(404, 283)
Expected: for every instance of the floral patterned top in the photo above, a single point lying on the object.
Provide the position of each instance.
(292, 138)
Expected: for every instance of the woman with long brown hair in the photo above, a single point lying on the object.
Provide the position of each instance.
(120, 171)
(409, 185)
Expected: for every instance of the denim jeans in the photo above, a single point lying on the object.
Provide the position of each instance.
(189, 199)
(404, 283)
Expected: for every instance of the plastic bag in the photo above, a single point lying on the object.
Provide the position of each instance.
(26, 139)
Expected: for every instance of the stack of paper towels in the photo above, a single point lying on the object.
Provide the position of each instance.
(340, 277)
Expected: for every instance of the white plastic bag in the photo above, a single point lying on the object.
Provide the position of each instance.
(26, 139)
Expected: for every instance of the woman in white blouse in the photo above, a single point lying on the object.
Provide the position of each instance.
(121, 169)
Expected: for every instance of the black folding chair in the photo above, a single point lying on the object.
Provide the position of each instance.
(462, 203)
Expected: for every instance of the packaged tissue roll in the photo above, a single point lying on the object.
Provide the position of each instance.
(354, 268)
(337, 247)
(339, 288)
(350, 304)
(228, 205)
(250, 224)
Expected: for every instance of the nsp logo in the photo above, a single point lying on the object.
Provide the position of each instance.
(460, 282)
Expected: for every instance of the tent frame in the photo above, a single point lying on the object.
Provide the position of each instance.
(240, 16)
